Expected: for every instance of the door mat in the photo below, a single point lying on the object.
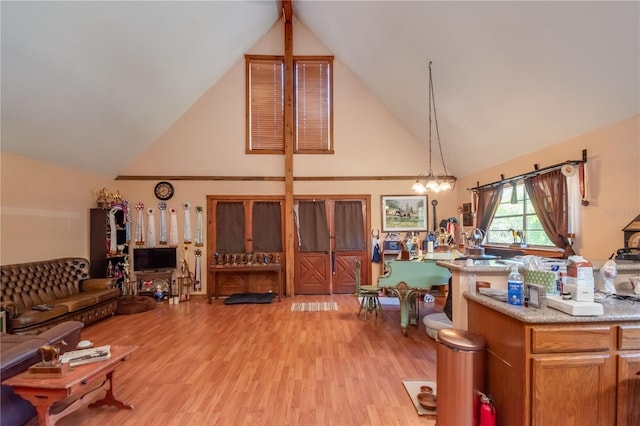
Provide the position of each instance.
(412, 386)
(314, 306)
(239, 298)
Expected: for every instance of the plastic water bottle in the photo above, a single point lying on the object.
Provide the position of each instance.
(515, 287)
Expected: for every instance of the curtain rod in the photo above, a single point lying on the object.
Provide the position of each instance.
(535, 172)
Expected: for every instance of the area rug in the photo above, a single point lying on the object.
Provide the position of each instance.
(314, 306)
(412, 386)
(239, 298)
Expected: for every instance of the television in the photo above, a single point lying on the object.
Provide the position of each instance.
(154, 259)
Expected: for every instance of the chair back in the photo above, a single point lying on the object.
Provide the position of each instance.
(358, 273)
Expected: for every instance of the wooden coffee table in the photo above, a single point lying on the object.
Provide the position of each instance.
(56, 397)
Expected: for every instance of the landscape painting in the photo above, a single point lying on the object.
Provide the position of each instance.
(404, 213)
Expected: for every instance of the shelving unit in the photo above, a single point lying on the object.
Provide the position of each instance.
(104, 264)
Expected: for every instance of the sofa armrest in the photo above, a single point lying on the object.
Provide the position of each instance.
(10, 308)
(69, 331)
(98, 284)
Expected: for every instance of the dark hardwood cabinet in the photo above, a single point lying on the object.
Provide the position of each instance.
(103, 261)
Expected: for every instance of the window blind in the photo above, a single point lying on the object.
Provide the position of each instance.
(313, 112)
(266, 105)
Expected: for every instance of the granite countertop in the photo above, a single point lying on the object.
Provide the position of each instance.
(499, 265)
(614, 310)
(478, 265)
(621, 265)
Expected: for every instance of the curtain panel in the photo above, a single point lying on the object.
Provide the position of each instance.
(488, 202)
(266, 226)
(313, 230)
(230, 227)
(349, 225)
(549, 197)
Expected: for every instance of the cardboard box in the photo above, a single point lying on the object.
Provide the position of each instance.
(579, 293)
(580, 272)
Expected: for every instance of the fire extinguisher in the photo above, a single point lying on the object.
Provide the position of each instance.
(487, 411)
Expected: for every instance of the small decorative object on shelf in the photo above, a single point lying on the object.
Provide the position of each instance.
(103, 198)
(117, 198)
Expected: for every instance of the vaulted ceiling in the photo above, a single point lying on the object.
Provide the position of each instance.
(83, 82)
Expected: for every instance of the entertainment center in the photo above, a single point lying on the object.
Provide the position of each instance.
(154, 268)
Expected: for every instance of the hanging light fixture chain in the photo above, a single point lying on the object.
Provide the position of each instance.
(431, 182)
(432, 97)
(430, 92)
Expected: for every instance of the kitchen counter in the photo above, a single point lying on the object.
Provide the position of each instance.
(545, 367)
(614, 310)
(495, 272)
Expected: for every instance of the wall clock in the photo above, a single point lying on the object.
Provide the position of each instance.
(164, 190)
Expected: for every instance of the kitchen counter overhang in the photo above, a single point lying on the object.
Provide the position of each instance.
(495, 272)
(614, 310)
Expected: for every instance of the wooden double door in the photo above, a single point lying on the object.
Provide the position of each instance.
(331, 233)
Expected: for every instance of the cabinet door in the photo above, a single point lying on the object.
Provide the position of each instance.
(628, 390)
(573, 390)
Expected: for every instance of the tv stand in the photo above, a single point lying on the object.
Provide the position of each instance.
(161, 274)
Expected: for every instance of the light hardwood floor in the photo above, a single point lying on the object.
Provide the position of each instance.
(201, 364)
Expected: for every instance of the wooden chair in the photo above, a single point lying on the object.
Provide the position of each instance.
(367, 294)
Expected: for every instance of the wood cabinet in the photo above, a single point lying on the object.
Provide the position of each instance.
(103, 263)
(582, 373)
(628, 384)
(239, 226)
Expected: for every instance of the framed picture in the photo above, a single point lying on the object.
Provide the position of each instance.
(537, 295)
(404, 213)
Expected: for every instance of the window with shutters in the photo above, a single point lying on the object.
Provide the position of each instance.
(313, 112)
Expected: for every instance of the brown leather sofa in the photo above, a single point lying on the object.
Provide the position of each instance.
(64, 284)
(17, 354)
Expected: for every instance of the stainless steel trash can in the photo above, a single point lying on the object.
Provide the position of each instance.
(460, 377)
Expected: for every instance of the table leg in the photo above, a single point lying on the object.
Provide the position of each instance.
(109, 398)
(407, 305)
(43, 415)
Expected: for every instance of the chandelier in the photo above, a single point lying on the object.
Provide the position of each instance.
(433, 182)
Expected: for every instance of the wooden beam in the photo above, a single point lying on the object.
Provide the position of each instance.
(289, 224)
(264, 178)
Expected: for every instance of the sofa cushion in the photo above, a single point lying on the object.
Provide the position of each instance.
(104, 295)
(33, 316)
(77, 302)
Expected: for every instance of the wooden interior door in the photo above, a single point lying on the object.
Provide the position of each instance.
(330, 267)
